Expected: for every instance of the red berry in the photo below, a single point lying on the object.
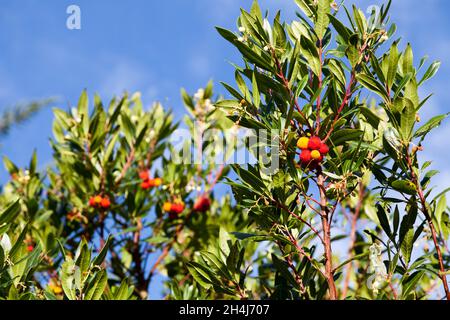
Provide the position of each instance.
(177, 208)
(324, 149)
(92, 202)
(105, 203)
(202, 204)
(30, 248)
(146, 185)
(305, 156)
(144, 175)
(314, 143)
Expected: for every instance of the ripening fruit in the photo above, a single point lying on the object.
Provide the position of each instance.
(303, 143)
(305, 156)
(157, 182)
(324, 149)
(167, 207)
(98, 200)
(314, 143)
(146, 185)
(30, 248)
(202, 204)
(92, 202)
(315, 155)
(177, 207)
(144, 175)
(105, 204)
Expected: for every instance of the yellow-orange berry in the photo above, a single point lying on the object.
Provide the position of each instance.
(98, 200)
(157, 182)
(302, 143)
(167, 207)
(315, 154)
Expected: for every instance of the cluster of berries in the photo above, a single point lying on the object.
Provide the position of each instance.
(99, 202)
(202, 204)
(147, 182)
(313, 150)
(174, 209)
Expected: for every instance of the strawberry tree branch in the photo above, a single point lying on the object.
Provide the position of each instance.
(415, 180)
(326, 226)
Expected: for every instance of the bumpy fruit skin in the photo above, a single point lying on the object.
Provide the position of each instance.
(167, 207)
(303, 143)
(315, 155)
(146, 185)
(106, 203)
(178, 207)
(202, 204)
(305, 157)
(314, 143)
(157, 182)
(92, 202)
(324, 149)
(144, 175)
(98, 200)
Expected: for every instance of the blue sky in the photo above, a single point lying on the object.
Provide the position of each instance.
(157, 47)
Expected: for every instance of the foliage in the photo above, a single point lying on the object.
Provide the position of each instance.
(129, 195)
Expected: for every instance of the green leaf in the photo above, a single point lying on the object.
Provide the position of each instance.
(407, 245)
(255, 11)
(199, 275)
(322, 21)
(409, 283)
(83, 111)
(256, 95)
(430, 125)
(67, 279)
(343, 136)
(407, 120)
(101, 256)
(404, 186)
(306, 7)
(283, 269)
(370, 83)
(394, 57)
(342, 30)
(309, 51)
(11, 212)
(9, 165)
(431, 72)
(97, 286)
(408, 60)
(384, 221)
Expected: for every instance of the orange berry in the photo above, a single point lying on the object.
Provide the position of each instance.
(167, 206)
(157, 182)
(98, 200)
(303, 143)
(105, 203)
(314, 143)
(144, 175)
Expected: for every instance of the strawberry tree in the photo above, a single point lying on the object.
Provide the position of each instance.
(343, 100)
(333, 200)
(120, 203)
